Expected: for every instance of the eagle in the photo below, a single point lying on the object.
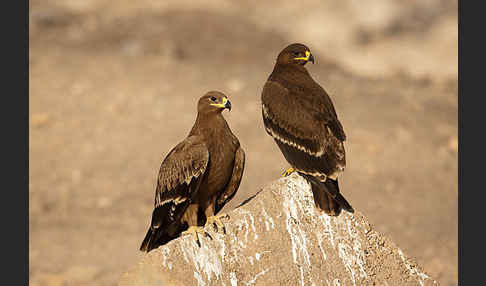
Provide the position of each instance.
(198, 177)
(300, 116)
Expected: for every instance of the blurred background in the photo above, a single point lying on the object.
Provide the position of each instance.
(114, 85)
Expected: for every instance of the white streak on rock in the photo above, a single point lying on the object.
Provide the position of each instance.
(358, 256)
(302, 282)
(203, 258)
(200, 281)
(247, 227)
(413, 271)
(319, 243)
(241, 244)
(293, 206)
(258, 256)
(297, 235)
(268, 219)
(233, 279)
(328, 230)
(252, 281)
(250, 258)
(347, 259)
(183, 252)
(165, 253)
(252, 224)
(223, 248)
(255, 235)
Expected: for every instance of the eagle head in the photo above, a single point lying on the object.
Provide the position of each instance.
(295, 54)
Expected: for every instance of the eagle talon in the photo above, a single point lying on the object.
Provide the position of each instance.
(215, 221)
(287, 172)
(194, 230)
(206, 234)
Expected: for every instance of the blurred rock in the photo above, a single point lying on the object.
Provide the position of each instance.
(278, 238)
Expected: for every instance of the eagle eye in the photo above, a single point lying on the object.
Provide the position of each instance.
(295, 53)
(213, 98)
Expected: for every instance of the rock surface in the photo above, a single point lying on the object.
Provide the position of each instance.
(279, 238)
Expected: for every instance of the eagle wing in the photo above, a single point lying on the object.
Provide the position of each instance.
(230, 190)
(179, 178)
(304, 125)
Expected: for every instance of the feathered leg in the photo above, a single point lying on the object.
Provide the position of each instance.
(214, 220)
(190, 217)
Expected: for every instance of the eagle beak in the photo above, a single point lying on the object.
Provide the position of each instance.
(311, 58)
(227, 104)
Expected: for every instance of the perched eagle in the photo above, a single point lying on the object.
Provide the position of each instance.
(198, 176)
(300, 116)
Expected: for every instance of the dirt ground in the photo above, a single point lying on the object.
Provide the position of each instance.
(113, 87)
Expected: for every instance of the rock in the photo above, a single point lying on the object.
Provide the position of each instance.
(278, 237)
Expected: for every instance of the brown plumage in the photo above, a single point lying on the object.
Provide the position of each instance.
(299, 115)
(198, 176)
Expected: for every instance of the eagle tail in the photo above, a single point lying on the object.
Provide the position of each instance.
(147, 244)
(343, 203)
(163, 233)
(154, 238)
(327, 196)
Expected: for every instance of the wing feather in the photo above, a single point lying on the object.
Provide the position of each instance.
(179, 178)
(184, 165)
(230, 190)
(305, 127)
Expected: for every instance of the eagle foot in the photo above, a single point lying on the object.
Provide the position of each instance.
(287, 172)
(216, 222)
(194, 230)
(332, 213)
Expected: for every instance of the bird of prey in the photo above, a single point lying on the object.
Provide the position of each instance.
(299, 115)
(198, 177)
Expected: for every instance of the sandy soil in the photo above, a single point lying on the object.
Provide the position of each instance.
(114, 87)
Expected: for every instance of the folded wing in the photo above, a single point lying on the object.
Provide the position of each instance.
(229, 192)
(179, 178)
(306, 129)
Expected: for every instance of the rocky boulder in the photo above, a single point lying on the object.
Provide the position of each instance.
(278, 237)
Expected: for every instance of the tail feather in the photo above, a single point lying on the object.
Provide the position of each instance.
(147, 241)
(155, 238)
(327, 196)
(162, 229)
(321, 199)
(333, 184)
